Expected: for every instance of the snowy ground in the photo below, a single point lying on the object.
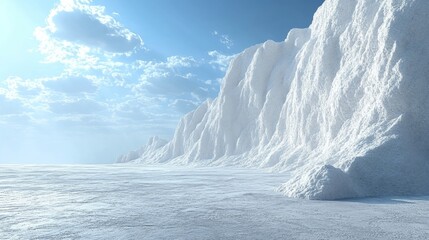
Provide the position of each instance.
(137, 202)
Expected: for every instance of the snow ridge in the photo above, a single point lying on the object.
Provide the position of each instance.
(342, 104)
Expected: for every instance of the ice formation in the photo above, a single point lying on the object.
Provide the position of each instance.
(153, 144)
(343, 105)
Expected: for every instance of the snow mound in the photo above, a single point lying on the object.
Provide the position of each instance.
(348, 94)
(325, 182)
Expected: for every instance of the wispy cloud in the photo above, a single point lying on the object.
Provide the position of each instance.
(18, 88)
(224, 39)
(220, 61)
(161, 69)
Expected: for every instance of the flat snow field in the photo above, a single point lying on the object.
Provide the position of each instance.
(141, 202)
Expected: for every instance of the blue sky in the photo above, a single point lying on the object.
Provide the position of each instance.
(83, 81)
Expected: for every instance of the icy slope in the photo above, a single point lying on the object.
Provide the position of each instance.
(342, 104)
(153, 144)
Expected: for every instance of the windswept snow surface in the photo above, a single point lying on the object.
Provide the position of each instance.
(129, 202)
(343, 105)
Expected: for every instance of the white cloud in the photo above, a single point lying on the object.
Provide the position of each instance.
(18, 88)
(227, 41)
(179, 61)
(76, 30)
(174, 78)
(187, 75)
(154, 84)
(220, 61)
(25, 97)
(178, 77)
(163, 69)
(224, 39)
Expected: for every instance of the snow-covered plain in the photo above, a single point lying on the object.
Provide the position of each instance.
(141, 202)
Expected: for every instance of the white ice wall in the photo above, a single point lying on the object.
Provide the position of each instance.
(343, 104)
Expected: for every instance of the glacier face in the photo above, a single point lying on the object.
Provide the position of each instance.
(343, 105)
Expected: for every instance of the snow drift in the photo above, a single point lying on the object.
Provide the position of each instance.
(343, 105)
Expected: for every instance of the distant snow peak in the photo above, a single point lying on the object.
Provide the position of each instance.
(153, 144)
(343, 105)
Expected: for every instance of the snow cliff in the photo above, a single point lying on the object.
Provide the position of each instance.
(343, 105)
